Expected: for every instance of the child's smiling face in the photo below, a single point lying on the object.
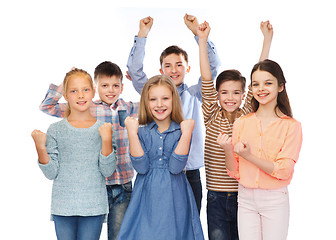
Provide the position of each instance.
(265, 87)
(175, 66)
(230, 95)
(109, 88)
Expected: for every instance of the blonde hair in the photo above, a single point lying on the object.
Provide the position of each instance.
(74, 73)
(145, 115)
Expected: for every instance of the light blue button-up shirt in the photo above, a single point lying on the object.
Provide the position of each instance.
(191, 97)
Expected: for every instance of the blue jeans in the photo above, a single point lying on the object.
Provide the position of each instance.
(194, 180)
(78, 227)
(119, 197)
(222, 210)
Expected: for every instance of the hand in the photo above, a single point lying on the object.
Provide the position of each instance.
(145, 26)
(106, 132)
(40, 139)
(187, 126)
(128, 76)
(203, 30)
(266, 29)
(242, 149)
(132, 125)
(192, 23)
(224, 141)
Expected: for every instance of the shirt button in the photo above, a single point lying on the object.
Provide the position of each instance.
(160, 148)
(160, 137)
(160, 159)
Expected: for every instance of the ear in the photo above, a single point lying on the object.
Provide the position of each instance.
(281, 88)
(65, 97)
(161, 71)
(121, 88)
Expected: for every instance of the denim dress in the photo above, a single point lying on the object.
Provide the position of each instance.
(162, 204)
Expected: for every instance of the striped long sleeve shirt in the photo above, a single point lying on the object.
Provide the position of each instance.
(216, 122)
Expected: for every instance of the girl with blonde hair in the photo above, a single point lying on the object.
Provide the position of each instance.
(162, 205)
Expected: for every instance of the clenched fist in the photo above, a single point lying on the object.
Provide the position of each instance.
(106, 131)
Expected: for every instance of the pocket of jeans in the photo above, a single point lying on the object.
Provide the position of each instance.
(211, 197)
(127, 187)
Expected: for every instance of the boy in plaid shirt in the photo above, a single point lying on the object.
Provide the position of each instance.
(109, 108)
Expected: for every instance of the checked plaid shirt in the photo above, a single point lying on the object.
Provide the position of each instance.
(115, 114)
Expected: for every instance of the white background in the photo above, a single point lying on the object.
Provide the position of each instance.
(41, 40)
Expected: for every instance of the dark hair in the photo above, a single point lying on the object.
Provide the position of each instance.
(230, 75)
(282, 99)
(173, 50)
(107, 69)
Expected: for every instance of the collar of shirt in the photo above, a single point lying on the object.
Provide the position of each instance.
(173, 126)
(117, 105)
(182, 88)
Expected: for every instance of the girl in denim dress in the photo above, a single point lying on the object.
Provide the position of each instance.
(162, 204)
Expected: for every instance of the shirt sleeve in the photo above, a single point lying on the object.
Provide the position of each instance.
(289, 153)
(135, 63)
(107, 164)
(141, 164)
(50, 104)
(50, 170)
(247, 108)
(209, 100)
(235, 139)
(214, 65)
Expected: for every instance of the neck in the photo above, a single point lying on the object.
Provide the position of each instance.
(163, 125)
(80, 116)
(268, 111)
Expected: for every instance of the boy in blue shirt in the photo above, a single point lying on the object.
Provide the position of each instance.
(174, 63)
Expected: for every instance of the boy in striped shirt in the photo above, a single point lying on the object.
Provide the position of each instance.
(113, 109)
(220, 107)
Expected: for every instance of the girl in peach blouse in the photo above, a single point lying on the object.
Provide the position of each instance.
(264, 148)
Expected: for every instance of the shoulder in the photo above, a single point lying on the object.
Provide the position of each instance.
(291, 122)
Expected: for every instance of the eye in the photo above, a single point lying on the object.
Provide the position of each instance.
(116, 86)
(255, 84)
(151, 99)
(237, 92)
(104, 85)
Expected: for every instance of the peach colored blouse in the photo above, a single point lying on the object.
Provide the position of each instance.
(280, 142)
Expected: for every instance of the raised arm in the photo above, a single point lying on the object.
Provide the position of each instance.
(267, 30)
(137, 54)
(214, 62)
(203, 33)
(50, 104)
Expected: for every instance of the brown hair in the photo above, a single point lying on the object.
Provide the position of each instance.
(145, 115)
(230, 75)
(282, 99)
(107, 69)
(74, 72)
(173, 50)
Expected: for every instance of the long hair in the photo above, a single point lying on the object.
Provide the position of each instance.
(282, 99)
(74, 72)
(145, 115)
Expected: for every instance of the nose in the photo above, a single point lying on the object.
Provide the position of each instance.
(80, 94)
(159, 103)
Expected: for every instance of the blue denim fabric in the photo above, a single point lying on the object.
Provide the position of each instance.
(122, 114)
(222, 210)
(78, 227)
(119, 197)
(194, 180)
